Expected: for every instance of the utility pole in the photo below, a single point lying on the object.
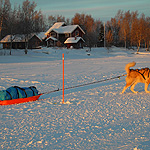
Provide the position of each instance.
(104, 36)
(63, 88)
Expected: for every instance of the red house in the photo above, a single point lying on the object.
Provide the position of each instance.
(62, 32)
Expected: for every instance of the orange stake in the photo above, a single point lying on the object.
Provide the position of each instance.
(63, 79)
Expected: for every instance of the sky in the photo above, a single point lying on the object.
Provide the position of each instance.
(98, 9)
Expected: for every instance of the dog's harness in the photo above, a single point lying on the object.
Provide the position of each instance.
(137, 70)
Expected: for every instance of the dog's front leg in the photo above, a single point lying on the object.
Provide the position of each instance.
(146, 87)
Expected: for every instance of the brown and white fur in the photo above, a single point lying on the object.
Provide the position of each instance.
(135, 76)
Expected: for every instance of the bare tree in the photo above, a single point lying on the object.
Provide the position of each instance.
(109, 39)
(137, 32)
(27, 14)
(5, 8)
(90, 26)
(115, 27)
(147, 33)
(1, 17)
(57, 18)
(12, 26)
(125, 28)
(30, 21)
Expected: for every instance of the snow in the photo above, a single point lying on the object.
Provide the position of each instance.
(20, 37)
(93, 117)
(41, 35)
(67, 29)
(73, 40)
(55, 26)
(59, 28)
(54, 39)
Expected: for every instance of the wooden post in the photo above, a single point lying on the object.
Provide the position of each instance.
(63, 79)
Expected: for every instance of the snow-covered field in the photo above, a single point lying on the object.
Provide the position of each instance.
(94, 117)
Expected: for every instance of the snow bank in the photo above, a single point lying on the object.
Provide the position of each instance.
(93, 117)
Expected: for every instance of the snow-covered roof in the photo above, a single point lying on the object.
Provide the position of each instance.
(6, 39)
(59, 28)
(67, 29)
(55, 26)
(54, 39)
(17, 38)
(41, 35)
(73, 40)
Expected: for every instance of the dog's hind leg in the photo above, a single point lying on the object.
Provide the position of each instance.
(127, 85)
(146, 87)
(124, 89)
(132, 87)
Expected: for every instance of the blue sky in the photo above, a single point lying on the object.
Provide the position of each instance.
(99, 9)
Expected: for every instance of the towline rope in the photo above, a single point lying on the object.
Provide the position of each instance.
(76, 86)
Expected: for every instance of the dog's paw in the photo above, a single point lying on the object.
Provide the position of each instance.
(134, 91)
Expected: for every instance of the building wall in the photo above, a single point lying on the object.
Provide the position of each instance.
(34, 42)
(51, 43)
(77, 32)
(6, 45)
(63, 37)
(15, 45)
(18, 45)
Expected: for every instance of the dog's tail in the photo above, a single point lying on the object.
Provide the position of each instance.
(127, 67)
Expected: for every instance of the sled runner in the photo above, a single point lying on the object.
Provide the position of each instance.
(19, 100)
(16, 95)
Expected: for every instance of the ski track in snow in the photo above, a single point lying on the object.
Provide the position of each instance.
(93, 117)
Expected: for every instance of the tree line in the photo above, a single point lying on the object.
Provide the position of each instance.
(126, 29)
(23, 19)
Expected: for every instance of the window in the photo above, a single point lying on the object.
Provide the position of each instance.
(53, 34)
(67, 35)
(77, 33)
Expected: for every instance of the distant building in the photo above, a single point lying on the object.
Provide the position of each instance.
(59, 34)
(51, 41)
(19, 41)
(75, 42)
(64, 33)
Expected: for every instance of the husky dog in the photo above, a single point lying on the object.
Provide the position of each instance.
(135, 76)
